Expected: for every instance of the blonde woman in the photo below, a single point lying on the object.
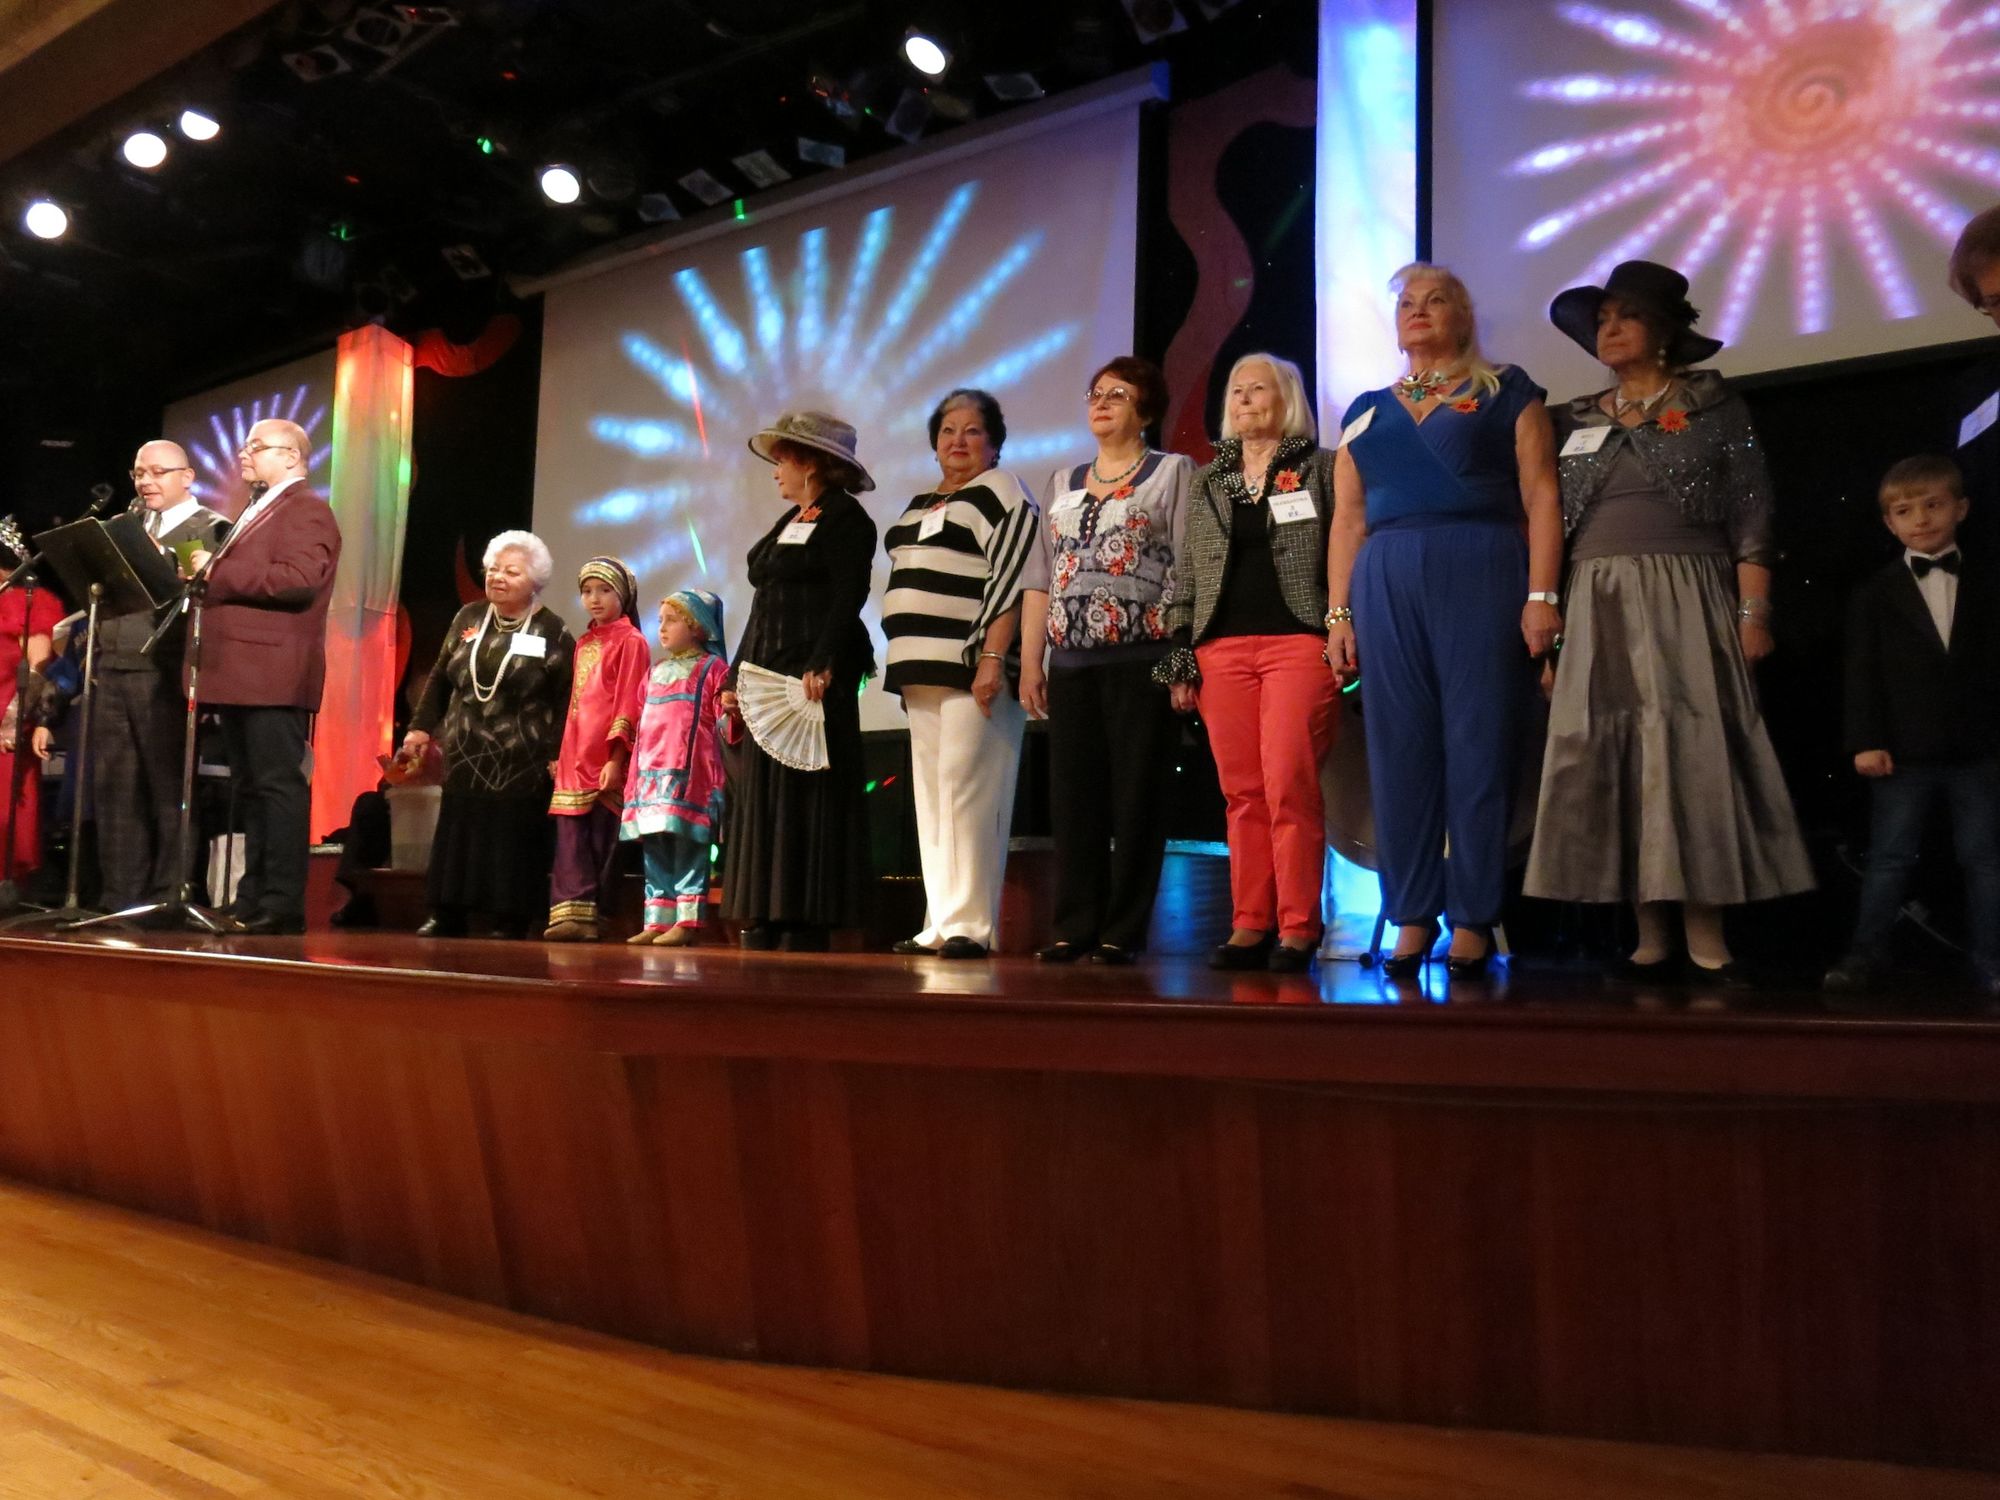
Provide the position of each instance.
(1434, 587)
(1249, 609)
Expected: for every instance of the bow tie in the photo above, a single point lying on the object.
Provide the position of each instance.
(1922, 565)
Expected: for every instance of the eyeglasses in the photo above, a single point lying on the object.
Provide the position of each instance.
(139, 476)
(251, 450)
(1115, 395)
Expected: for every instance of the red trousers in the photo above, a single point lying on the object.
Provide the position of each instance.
(1268, 702)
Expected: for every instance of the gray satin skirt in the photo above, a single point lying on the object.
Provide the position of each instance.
(1659, 782)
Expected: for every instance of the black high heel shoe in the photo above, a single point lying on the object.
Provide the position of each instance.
(1410, 965)
(1243, 955)
(1475, 966)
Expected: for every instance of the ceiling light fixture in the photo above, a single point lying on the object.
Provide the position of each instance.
(145, 150)
(197, 126)
(926, 54)
(45, 220)
(560, 184)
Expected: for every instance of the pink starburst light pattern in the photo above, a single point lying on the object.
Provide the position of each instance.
(1755, 138)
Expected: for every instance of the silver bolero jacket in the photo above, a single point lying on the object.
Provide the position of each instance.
(1699, 448)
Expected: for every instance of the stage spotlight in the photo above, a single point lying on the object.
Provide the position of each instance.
(197, 126)
(145, 150)
(926, 54)
(45, 220)
(560, 184)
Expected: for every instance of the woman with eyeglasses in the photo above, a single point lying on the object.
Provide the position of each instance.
(1095, 603)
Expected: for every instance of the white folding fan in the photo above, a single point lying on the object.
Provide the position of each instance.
(785, 723)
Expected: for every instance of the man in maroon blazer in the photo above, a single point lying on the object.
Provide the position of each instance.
(263, 663)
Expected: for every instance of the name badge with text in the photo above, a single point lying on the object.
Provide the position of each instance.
(1286, 509)
(932, 524)
(528, 645)
(1979, 419)
(1354, 429)
(797, 534)
(1585, 440)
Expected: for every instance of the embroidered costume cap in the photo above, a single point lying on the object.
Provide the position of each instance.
(609, 570)
(812, 429)
(1659, 289)
(705, 609)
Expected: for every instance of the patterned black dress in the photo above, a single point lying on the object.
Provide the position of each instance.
(496, 711)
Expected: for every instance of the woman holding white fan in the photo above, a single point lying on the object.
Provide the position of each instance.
(795, 841)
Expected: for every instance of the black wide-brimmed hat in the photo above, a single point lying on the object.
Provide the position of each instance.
(1659, 289)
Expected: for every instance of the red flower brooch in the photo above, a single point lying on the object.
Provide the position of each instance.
(469, 634)
(1673, 420)
(1466, 404)
(1121, 494)
(1286, 482)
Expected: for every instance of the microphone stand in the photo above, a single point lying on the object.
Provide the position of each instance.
(184, 912)
(77, 773)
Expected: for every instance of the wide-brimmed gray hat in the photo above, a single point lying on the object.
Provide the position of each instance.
(813, 429)
(1660, 289)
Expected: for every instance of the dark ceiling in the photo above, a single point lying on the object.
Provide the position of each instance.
(327, 202)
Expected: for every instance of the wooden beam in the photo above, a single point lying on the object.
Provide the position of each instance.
(62, 60)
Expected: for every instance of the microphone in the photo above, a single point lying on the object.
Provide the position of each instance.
(100, 496)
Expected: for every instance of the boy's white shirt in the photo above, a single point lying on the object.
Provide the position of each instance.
(1940, 591)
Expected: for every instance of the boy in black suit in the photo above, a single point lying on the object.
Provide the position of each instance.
(1923, 716)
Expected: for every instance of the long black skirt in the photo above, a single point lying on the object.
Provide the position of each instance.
(795, 843)
(492, 855)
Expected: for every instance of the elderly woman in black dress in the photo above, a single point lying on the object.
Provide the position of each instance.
(1659, 786)
(795, 843)
(495, 703)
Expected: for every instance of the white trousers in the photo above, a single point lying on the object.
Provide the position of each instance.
(964, 765)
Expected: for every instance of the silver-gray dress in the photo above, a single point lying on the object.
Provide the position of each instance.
(1659, 782)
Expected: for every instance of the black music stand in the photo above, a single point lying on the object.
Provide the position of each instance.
(118, 569)
(183, 911)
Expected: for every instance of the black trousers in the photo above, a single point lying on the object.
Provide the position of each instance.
(267, 751)
(137, 721)
(1112, 734)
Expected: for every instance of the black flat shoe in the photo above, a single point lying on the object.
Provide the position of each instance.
(961, 947)
(1062, 952)
(759, 938)
(1285, 959)
(442, 927)
(1114, 956)
(1730, 976)
(271, 924)
(1242, 955)
(911, 948)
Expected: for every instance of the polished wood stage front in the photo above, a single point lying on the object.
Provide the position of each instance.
(1526, 1204)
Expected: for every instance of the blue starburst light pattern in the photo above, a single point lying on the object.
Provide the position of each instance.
(874, 329)
(216, 471)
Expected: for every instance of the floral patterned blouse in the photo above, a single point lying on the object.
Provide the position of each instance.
(1110, 565)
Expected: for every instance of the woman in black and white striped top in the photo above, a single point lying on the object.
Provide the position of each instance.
(951, 617)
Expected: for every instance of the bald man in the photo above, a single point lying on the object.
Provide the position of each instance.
(263, 665)
(140, 716)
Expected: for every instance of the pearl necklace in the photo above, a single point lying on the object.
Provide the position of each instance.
(483, 692)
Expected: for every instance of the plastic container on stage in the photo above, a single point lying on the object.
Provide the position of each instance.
(413, 821)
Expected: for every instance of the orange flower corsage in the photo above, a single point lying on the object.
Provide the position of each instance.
(1286, 482)
(469, 634)
(1124, 493)
(1673, 420)
(1466, 404)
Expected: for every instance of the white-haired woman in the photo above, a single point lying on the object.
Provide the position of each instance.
(1249, 614)
(495, 702)
(1429, 571)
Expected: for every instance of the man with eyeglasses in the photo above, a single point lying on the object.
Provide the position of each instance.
(263, 664)
(140, 716)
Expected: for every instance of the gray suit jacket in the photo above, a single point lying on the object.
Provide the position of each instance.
(1298, 550)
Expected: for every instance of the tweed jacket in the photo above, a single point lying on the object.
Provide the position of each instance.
(1699, 448)
(1298, 550)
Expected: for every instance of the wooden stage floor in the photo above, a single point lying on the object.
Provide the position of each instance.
(1532, 1204)
(142, 1361)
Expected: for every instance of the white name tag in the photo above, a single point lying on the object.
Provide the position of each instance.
(797, 534)
(932, 524)
(1069, 500)
(1354, 429)
(1286, 509)
(528, 645)
(1979, 419)
(1585, 440)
